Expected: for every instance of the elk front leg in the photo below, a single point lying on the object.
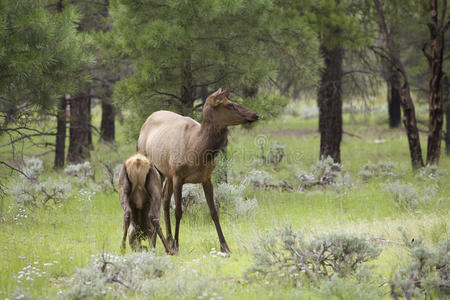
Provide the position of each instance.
(209, 195)
(177, 189)
(168, 190)
(157, 230)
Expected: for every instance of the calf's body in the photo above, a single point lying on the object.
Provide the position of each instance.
(140, 198)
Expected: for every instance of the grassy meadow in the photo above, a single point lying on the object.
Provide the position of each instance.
(41, 248)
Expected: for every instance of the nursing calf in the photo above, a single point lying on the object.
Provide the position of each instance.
(140, 197)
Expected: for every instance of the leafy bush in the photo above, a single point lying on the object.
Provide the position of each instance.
(228, 197)
(309, 112)
(285, 254)
(143, 274)
(273, 156)
(31, 190)
(109, 274)
(324, 172)
(111, 175)
(425, 274)
(291, 109)
(259, 178)
(81, 172)
(378, 170)
(192, 194)
(431, 172)
(184, 283)
(404, 194)
(346, 288)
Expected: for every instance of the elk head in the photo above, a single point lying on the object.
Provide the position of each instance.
(223, 112)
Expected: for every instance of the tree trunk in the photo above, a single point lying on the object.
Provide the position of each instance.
(250, 91)
(393, 101)
(60, 144)
(90, 144)
(446, 92)
(107, 128)
(187, 90)
(79, 128)
(436, 100)
(330, 104)
(409, 114)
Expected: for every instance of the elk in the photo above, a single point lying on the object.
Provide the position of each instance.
(140, 198)
(184, 151)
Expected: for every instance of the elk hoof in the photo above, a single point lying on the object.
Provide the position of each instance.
(171, 252)
(224, 248)
(174, 246)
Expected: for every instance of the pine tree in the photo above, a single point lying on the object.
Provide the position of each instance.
(41, 58)
(182, 49)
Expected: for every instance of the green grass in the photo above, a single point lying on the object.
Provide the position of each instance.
(67, 236)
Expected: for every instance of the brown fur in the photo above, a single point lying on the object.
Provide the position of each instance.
(184, 150)
(140, 197)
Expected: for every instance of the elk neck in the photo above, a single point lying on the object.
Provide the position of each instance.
(212, 139)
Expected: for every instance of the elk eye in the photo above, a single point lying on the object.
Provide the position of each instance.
(230, 105)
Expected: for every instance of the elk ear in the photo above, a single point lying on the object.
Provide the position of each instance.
(217, 92)
(223, 94)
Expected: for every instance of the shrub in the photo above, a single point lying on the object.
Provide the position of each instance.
(430, 172)
(108, 273)
(345, 288)
(137, 274)
(222, 168)
(404, 194)
(291, 109)
(185, 283)
(259, 179)
(378, 170)
(81, 172)
(31, 190)
(192, 194)
(111, 175)
(32, 169)
(273, 156)
(230, 198)
(426, 274)
(325, 172)
(285, 254)
(309, 112)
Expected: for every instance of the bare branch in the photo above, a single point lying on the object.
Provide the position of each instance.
(13, 168)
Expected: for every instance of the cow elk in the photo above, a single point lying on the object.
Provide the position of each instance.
(184, 151)
(140, 197)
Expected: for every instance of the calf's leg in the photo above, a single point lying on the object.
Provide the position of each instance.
(126, 225)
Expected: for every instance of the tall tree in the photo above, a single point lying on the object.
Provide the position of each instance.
(446, 92)
(329, 99)
(338, 29)
(42, 55)
(61, 130)
(409, 115)
(94, 19)
(79, 126)
(438, 25)
(180, 47)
